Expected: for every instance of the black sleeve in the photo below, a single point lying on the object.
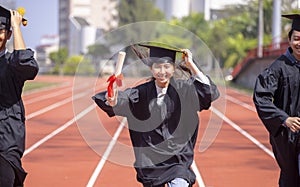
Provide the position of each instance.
(23, 64)
(124, 101)
(206, 93)
(265, 88)
(100, 100)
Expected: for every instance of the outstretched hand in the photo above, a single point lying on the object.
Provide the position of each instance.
(293, 123)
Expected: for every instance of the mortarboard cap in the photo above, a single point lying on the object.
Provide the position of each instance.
(4, 18)
(159, 54)
(296, 20)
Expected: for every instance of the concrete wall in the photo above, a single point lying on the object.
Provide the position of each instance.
(248, 75)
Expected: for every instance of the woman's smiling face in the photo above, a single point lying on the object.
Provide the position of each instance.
(162, 72)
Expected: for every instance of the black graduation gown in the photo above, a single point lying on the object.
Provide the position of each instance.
(276, 97)
(163, 137)
(15, 69)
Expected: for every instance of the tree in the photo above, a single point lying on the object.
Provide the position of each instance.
(59, 59)
(131, 11)
(217, 40)
(98, 52)
(78, 65)
(229, 38)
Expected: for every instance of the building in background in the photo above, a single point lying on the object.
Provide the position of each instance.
(200, 6)
(174, 8)
(103, 14)
(48, 44)
(180, 8)
(82, 35)
(82, 20)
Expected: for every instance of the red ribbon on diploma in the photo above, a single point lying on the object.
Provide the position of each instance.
(118, 79)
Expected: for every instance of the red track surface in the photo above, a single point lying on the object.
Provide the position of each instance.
(69, 156)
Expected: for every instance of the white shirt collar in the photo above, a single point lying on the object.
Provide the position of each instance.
(160, 90)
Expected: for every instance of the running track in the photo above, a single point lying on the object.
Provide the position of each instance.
(71, 143)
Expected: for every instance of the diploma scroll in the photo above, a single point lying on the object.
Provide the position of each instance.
(117, 76)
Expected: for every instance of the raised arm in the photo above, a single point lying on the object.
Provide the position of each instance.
(194, 69)
(22, 60)
(16, 20)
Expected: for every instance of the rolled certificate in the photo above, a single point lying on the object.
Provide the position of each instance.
(117, 76)
(120, 62)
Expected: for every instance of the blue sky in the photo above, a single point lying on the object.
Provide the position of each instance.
(42, 16)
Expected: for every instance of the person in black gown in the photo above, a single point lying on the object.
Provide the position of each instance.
(277, 100)
(15, 69)
(162, 118)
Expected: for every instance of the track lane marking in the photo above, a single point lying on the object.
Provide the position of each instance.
(243, 132)
(239, 129)
(61, 128)
(236, 101)
(198, 175)
(55, 105)
(58, 130)
(43, 97)
(194, 167)
(108, 150)
(106, 154)
(54, 94)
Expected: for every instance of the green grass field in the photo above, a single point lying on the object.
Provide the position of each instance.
(31, 86)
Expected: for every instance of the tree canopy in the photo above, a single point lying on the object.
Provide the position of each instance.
(229, 38)
(131, 11)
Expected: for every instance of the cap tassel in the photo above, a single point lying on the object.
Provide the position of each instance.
(22, 11)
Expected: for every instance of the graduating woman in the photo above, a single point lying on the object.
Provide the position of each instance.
(162, 117)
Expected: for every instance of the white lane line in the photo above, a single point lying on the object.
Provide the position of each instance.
(58, 130)
(243, 132)
(198, 176)
(106, 154)
(109, 149)
(236, 101)
(48, 96)
(55, 105)
(194, 166)
(40, 98)
(235, 126)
